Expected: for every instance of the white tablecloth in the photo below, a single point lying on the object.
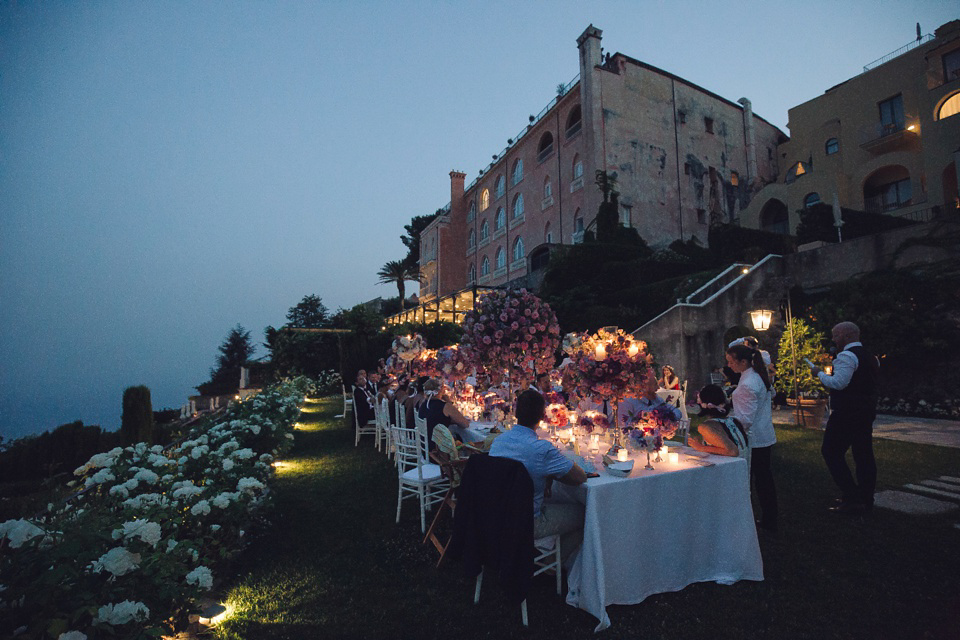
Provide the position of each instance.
(662, 530)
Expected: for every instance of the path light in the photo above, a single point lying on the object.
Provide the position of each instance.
(761, 319)
(215, 614)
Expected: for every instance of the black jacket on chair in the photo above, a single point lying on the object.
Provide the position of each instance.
(493, 522)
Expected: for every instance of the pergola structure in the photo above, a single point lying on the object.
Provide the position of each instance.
(449, 308)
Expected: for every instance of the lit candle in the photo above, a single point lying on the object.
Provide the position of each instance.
(594, 443)
(622, 455)
(673, 458)
(633, 350)
(601, 352)
(663, 451)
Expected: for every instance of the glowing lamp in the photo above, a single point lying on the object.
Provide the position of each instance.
(601, 352)
(745, 270)
(633, 350)
(828, 369)
(214, 615)
(761, 319)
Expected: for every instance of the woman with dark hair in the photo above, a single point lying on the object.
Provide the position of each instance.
(437, 409)
(721, 434)
(751, 407)
(669, 379)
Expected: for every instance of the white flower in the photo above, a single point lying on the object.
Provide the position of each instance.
(72, 635)
(144, 500)
(201, 508)
(250, 485)
(145, 475)
(199, 452)
(119, 490)
(122, 612)
(266, 457)
(202, 577)
(194, 554)
(243, 454)
(171, 544)
(186, 490)
(167, 477)
(223, 500)
(182, 460)
(131, 484)
(100, 477)
(254, 429)
(19, 531)
(288, 436)
(228, 464)
(214, 527)
(147, 531)
(117, 561)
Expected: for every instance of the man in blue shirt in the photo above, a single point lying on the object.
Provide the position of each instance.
(544, 463)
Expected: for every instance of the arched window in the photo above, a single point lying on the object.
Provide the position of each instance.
(811, 199)
(832, 146)
(471, 239)
(471, 274)
(501, 258)
(485, 266)
(577, 167)
(472, 211)
(545, 147)
(517, 174)
(577, 221)
(574, 122)
(547, 188)
(501, 220)
(484, 199)
(484, 230)
(518, 249)
(949, 108)
(518, 206)
(887, 188)
(547, 234)
(795, 172)
(501, 187)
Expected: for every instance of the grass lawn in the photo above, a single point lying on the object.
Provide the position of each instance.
(336, 565)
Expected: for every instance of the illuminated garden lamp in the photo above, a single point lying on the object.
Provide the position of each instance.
(214, 615)
(761, 319)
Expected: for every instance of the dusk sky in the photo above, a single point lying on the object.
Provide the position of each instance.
(171, 169)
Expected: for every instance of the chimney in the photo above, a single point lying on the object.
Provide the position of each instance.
(457, 179)
(749, 141)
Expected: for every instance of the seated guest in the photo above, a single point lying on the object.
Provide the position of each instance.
(362, 399)
(498, 386)
(412, 402)
(384, 392)
(721, 434)
(542, 383)
(544, 463)
(437, 409)
(669, 380)
(648, 401)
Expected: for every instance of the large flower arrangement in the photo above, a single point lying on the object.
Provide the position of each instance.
(147, 535)
(512, 330)
(610, 365)
(453, 363)
(408, 347)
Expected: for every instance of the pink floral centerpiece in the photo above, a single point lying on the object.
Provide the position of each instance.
(610, 365)
(512, 330)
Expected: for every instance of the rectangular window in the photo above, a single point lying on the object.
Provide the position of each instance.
(735, 179)
(951, 66)
(891, 115)
(702, 216)
(686, 168)
(682, 116)
(769, 153)
(708, 124)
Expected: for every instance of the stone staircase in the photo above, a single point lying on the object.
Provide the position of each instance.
(930, 497)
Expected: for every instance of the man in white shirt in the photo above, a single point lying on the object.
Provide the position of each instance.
(854, 391)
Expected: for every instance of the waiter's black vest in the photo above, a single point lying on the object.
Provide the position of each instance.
(862, 393)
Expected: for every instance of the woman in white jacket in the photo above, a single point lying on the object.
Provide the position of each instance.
(752, 407)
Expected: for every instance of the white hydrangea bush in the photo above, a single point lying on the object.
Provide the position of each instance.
(142, 541)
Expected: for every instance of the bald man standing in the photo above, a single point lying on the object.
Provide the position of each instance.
(854, 391)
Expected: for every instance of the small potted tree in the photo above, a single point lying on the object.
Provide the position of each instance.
(804, 391)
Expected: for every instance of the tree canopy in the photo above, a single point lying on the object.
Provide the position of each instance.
(411, 239)
(397, 272)
(309, 313)
(235, 351)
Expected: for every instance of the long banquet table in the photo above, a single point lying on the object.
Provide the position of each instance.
(661, 530)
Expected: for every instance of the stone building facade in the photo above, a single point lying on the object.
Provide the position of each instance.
(887, 140)
(682, 156)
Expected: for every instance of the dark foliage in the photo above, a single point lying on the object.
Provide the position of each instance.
(53, 452)
(308, 313)
(435, 334)
(411, 239)
(295, 353)
(136, 421)
(730, 243)
(911, 320)
(816, 223)
(235, 352)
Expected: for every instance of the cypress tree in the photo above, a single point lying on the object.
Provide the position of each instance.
(136, 422)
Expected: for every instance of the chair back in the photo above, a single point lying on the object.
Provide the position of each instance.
(401, 415)
(493, 522)
(718, 379)
(385, 414)
(408, 450)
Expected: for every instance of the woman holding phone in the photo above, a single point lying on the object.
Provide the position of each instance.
(752, 407)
